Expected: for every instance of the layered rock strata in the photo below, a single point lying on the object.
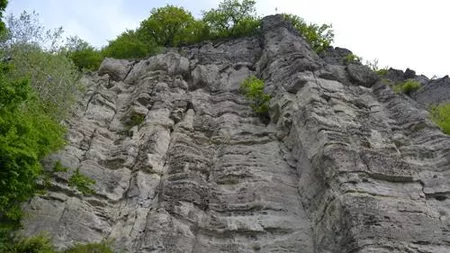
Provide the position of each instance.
(343, 165)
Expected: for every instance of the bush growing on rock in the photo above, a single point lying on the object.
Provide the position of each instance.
(253, 89)
(320, 37)
(407, 87)
(352, 58)
(82, 182)
(440, 115)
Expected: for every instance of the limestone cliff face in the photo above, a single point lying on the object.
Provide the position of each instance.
(344, 165)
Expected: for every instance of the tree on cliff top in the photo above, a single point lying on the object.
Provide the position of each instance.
(168, 26)
(232, 19)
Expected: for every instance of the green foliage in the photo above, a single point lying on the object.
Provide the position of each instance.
(320, 37)
(373, 65)
(129, 45)
(35, 244)
(253, 89)
(232, 19)
(134, 119)
(102, 247)
(352, 58)
(440, 115)
(36, 54)
(407, 87)
(83, 55)
(59, 168)
(42, 244)
(168, 26)
(382, 72)
(27, 134)
(3, 4)
(82, 182)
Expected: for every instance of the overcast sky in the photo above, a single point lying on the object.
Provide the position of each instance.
(400, 33)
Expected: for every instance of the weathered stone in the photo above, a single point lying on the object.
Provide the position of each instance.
(339, 168)
(362, 75)
(335, 56)
(434, 92)
(409, 74)
(116, 69)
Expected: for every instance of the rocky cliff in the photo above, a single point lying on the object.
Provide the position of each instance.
(343, 165)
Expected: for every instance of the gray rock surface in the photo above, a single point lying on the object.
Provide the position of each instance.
(339, 168)
(116, 69)
(335, 55)
(362, 75)
(434, 92)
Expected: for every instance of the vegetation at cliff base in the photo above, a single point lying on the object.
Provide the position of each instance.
(42, 244)
(253, 89)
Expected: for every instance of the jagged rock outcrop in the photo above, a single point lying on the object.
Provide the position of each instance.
(339, 168)
(434, 92)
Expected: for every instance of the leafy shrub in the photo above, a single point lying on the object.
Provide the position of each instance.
(320, 37)
(83, 55)
(82, 182)
(352, 58)
(130, 45)
(382, 72)
(59, 168)
(134, 119)
(440, 115)
(373, 65)
(35, 244)
(253, 89)
(407, 87)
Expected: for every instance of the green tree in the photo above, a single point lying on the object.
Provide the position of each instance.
(169, 26)
(83, 55)
(38, 54)
(232, 19)
(3, 4)
(129, 45)
(320, 37)
(27, 134)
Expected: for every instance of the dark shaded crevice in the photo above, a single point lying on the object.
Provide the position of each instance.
(129, 71)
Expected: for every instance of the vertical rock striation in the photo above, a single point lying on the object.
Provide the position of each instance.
(344, 165)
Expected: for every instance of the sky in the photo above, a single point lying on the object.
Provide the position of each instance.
(401, 34)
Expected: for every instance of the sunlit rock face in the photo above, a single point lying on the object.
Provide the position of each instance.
(343, 165)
